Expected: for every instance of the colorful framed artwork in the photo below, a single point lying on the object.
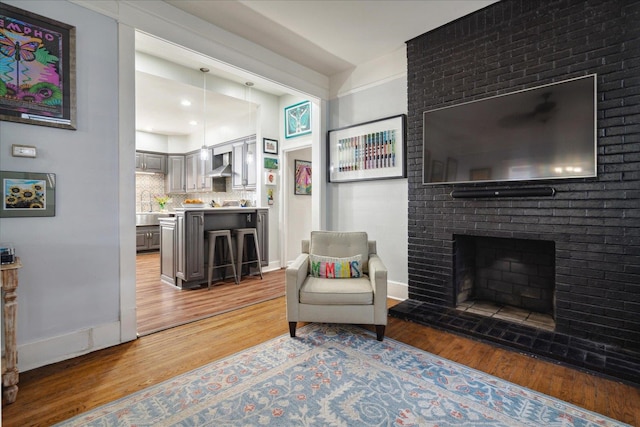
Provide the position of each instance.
(270, 146)
(27, 194)
(270, 178)
(367, 151)
(297, 119)
(270, 163)
(302, 178)
(37, 82)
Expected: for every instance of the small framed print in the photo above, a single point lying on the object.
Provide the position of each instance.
(26, 194)
(297, 119)
(302, 178)
(270, 146)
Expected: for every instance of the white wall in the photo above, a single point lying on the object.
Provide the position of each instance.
(378, 207)
(77, 287)
(69, 285)
(298, 206)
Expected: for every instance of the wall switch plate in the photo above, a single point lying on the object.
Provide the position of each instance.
(23, 151)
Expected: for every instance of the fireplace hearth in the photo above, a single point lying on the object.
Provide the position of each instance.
(512, 279)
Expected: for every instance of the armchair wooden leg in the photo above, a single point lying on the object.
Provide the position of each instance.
(380, 332)
(292, 329)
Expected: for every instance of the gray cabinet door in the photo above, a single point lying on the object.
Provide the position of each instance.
(175, 179)
(250, 164)
(168, 251)
(141, 238)
(151, 162)
(262, 228)
(237, 166)
(196, 169)
(243, 161)
(191, 171)
(180, 255)
(147, 238)
(194, 245)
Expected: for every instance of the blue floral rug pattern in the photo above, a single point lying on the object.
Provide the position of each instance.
(337, 375)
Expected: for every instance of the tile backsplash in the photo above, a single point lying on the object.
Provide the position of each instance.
(148, 186)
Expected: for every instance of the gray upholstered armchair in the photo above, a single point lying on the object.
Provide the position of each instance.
(338, 278)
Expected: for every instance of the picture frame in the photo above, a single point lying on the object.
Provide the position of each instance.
(269, 146)
(27, 194)
(368, 151)
(270, 163)
(297, 119)
(270, 178)
(302, 178)
(480, 174)
(39, 84)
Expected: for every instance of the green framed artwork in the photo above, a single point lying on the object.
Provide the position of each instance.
(297, 119)
(270, 163)
(26, 194)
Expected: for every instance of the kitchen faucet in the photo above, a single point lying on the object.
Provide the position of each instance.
(141, 201)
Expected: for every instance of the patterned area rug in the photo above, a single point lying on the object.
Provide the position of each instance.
(334, 375)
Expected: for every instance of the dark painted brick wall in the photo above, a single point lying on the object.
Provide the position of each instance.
(595, 223)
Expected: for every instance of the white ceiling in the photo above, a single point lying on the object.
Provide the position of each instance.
(326, 36)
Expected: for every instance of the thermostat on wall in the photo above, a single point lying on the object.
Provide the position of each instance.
(23, 150)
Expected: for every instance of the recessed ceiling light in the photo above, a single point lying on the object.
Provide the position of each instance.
(185, 103)
(193, 123)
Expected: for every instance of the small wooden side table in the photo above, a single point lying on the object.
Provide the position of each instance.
(10, 359)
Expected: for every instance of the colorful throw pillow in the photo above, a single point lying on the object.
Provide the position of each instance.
(336, 268)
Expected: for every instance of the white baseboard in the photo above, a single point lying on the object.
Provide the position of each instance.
(56, 349)
(397, 290)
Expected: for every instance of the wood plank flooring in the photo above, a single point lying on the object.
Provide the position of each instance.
(161, 306)
(56, 392)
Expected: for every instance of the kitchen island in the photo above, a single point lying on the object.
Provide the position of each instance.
(183, 253)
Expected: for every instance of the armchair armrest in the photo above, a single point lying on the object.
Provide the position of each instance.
(378, 277)
(295, 275)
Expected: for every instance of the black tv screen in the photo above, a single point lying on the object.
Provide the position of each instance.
(548, 132)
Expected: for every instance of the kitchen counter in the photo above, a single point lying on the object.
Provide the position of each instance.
(182, 248)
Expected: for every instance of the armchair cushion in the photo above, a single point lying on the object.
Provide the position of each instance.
(335, 268)
(318, 291)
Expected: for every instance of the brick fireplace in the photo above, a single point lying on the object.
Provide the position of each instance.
(592, 225)
(512, 272)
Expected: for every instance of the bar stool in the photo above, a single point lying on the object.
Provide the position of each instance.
(212, 236)
(240, 234)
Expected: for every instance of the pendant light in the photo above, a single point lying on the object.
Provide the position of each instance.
(204, 151)
(250, 153)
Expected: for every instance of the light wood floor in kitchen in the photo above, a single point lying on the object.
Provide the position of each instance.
(160, 306)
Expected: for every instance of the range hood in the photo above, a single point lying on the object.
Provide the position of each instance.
(222, 171)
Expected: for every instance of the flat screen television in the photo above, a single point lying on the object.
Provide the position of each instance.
(548, 132)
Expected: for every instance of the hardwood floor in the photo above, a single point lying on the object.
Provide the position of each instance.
(56, 392)
(160, 306)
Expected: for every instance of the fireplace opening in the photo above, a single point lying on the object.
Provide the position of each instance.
(510, 279)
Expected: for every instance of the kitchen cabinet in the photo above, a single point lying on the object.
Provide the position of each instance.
(151, 162)
(243, 161)
(175, 179)
(185, 255)
(147, 238)
(196, 178)
(167, 250)
(190, 246)
(262, 229)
